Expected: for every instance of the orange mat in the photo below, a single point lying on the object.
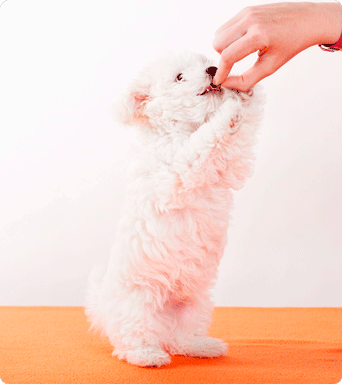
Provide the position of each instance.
(45, 345)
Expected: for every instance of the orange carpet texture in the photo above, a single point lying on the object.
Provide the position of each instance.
(44, 345)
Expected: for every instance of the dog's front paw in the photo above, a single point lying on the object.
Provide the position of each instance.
(234, 123)
(200, 346)
(230, 114)
(148, 357)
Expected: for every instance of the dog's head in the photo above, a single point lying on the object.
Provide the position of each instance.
(174, 91)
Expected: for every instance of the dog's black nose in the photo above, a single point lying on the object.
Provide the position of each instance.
(211, 71)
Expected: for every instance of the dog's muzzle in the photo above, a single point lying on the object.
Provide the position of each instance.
(211, 71)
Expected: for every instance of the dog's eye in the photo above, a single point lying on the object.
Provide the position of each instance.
(179, 77)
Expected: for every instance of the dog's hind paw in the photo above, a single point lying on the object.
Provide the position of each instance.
(147, 356)
(200, 346)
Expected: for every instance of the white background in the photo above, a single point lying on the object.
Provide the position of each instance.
(63, 159)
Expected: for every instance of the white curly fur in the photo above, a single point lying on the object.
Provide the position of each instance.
(154, 298)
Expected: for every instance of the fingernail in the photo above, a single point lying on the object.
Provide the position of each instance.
(216, 80)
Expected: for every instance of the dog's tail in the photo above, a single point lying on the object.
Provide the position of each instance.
(93, 298)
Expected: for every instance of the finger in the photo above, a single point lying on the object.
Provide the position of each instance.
(235, 52)
(252, 76)
(228, 36)
(245, 12)
(231, 22)
(222, 72)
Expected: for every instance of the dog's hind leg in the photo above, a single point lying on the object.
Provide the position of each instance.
(137, 331)
(191, 337)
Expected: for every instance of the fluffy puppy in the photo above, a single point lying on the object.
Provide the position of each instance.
(195, 147)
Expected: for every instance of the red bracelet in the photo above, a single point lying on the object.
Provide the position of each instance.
(333, 47)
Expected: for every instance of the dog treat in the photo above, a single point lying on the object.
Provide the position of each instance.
(212, 88)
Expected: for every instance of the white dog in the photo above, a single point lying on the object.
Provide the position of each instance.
(196, 147)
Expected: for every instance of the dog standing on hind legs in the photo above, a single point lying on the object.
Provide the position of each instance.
(196, 146)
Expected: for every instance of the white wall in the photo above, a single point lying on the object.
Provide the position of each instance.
(63, 160)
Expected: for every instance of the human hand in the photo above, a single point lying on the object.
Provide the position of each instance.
(278, 32)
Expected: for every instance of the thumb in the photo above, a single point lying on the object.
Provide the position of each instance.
(252, 76)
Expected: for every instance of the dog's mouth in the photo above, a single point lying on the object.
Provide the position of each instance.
(211, 88)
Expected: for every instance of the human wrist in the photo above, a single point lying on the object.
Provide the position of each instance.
(331, 22)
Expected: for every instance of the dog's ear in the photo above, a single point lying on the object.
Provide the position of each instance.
(131, 107)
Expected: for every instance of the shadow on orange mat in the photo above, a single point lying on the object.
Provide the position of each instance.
(45, 345)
